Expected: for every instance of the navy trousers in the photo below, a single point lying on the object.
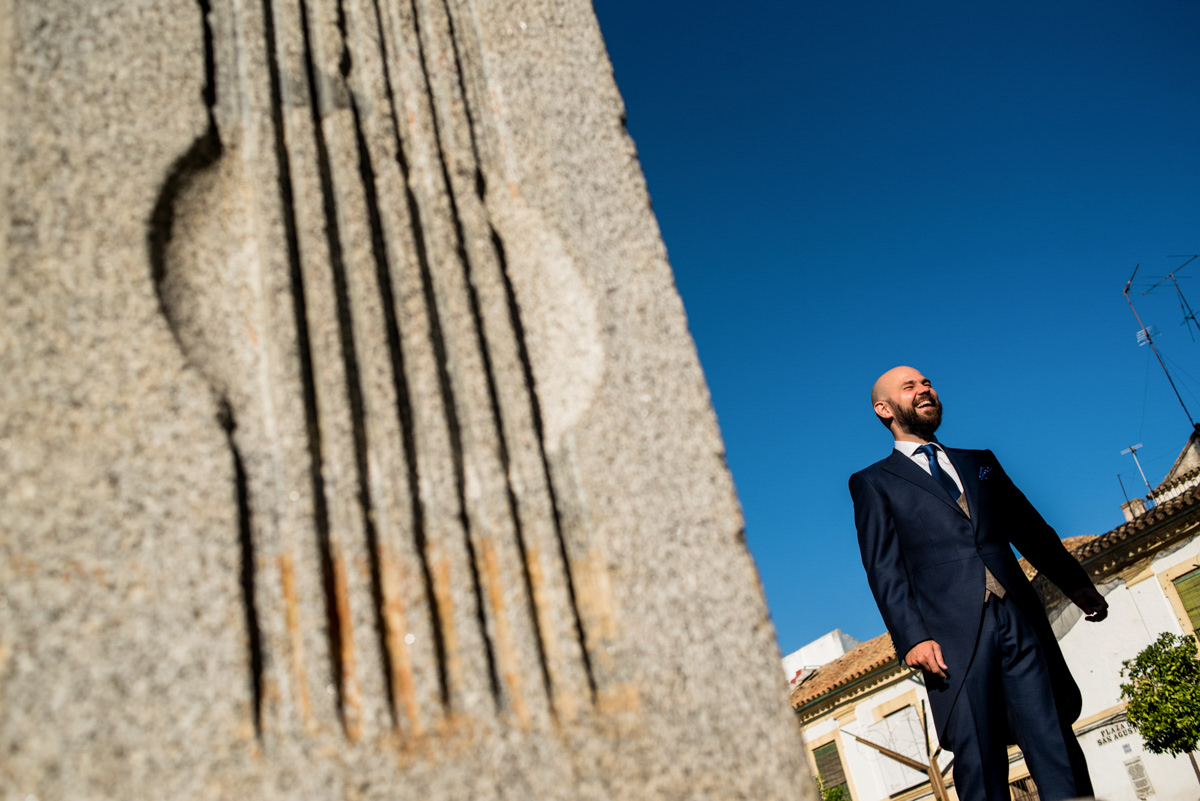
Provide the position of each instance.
(1008, 681)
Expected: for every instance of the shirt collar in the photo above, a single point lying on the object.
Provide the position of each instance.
(909, 448)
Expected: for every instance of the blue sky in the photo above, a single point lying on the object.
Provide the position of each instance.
(963, 187)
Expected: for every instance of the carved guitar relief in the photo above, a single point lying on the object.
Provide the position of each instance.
(330, 260)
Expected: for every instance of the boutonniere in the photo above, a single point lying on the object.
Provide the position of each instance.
(983, 472)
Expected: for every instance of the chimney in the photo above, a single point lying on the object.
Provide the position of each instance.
(1133, 508)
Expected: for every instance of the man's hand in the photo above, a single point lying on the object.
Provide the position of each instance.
(1091, 602)
(927, 655)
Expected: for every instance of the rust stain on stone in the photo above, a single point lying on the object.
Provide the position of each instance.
(69, 570)
(619, 699)
(291, 608)
(445, 613)
(450, 738)
(396, 625)
(5, 655)
(566, 704)
(351, 693)
(270, 692)
(506, 654)
(26, 568)
(594, 597)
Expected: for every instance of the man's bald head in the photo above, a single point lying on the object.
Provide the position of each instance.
(907, 404)
(887, 383)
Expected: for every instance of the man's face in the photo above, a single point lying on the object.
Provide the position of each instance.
(914, 404)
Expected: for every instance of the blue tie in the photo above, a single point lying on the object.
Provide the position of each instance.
(936, 471)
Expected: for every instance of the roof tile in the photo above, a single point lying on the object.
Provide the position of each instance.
(858, 661)
(1139, 524)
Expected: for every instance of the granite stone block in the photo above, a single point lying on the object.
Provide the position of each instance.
(352, 441)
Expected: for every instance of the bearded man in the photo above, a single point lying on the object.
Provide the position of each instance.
(935, 526)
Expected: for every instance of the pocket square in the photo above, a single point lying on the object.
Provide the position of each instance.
(983, 472)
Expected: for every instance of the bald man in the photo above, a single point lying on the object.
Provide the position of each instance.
(935, 527)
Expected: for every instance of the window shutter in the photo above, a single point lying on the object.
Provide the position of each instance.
(829, 765)
(1188, 587)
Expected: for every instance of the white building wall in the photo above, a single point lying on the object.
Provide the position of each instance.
(820, 729)
(820, 651)
(1188, 551)
(1155, 610)
(873, 776)
(1094, 652)
(1111, 750)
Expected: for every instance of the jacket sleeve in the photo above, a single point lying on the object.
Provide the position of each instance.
(1037, 540)
(887, 572)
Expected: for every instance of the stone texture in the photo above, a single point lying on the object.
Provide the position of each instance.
(352, 441)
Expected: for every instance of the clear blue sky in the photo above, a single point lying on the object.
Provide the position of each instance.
(962, 187)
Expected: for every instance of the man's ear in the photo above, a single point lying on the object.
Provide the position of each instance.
(882, 410)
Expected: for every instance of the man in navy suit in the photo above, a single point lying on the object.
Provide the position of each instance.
(935, 526)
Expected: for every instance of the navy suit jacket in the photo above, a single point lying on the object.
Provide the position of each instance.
(925, 564)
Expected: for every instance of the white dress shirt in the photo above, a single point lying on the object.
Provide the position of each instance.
(991, 585)
(909, 449)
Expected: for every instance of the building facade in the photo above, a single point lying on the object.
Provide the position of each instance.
(865, 716)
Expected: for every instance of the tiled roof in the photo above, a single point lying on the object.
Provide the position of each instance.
(858, 661)
(1142, 522)
(1182, 455)
(1171, 483)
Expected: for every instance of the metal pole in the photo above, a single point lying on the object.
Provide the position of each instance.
(1188, 314)
(1133, 451)
(1150, 342)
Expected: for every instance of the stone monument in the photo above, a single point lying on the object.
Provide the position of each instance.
(352, 441)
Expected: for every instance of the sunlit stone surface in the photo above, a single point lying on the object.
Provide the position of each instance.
(352, 442)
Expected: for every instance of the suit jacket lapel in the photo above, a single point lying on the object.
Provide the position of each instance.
(900, 465)
(968, 474)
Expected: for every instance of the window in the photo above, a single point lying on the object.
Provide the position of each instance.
(1024, 790)
(1188, 587)
(1181, 587)
(901, 732)
(829, 767)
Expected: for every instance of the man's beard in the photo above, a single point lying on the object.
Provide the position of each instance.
(912, 422)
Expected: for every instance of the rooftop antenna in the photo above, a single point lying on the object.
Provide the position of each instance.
(1134, 449)
(1188, 314)
(1122, 481)
(1149, 339)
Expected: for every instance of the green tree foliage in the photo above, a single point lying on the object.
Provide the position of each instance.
(835, 793)
(1164, 694)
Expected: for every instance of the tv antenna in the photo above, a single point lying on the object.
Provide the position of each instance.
(1185, 307)
(1147, 335)
(1122, 482)
(1133, 449)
